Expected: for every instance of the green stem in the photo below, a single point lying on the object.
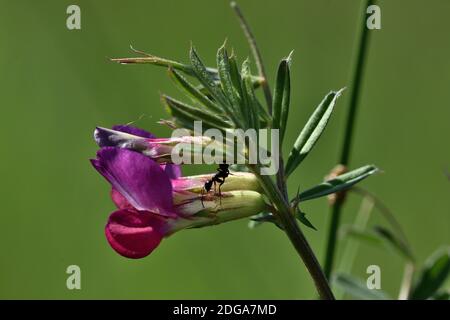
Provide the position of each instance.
(352, 246)
(281, 176)
(256, 54)
(408, 276)
(348, 138)
(332, 238)
(296, 236)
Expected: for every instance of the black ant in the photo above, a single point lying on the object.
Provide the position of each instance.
(222, 173)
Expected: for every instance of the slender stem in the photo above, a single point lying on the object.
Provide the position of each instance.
(352, 246)
(296, 236)
(332, 238)
(281, 177)
(356, 88)
(410, 266)
(256, 54)
(408, 276)
(348, 139)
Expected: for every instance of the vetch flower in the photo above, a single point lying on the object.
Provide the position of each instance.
(159, 149)
(154, 202)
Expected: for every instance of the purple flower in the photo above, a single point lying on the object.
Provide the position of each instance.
(142, 191)
(154, 201)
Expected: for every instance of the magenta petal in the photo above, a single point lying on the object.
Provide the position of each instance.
(138, 178)
(134, 234)
(173, 171)
(133, 130)
(119, 200)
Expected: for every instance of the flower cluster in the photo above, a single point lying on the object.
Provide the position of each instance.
(153, 200)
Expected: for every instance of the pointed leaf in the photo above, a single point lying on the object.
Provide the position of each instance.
(187, 69)
(394, 241)
(441, 295)
(261, 218)
(433, 274)
(357, 288)
(235, 75)
(285, 104)
(205, 78)
(301, 216)
(286, 99)
(194, 93)
(380, 236)
(281, 97)
(162, 62)
(239, 87)
(312, 131)
(339, 183)
(249, 97)
(223, 65)
(188, 112)
(361, 235)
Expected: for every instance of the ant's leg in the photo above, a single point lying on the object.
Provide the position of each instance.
(221, 181)
(203, 205)
(220, 185)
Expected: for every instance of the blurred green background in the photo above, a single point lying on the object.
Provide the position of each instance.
(56, 85)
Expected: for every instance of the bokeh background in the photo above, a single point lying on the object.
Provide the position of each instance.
(56, 85)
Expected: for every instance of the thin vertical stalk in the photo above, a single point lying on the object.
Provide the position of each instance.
(348, 137)
(352, 246)
(256, 54)
(406, 285)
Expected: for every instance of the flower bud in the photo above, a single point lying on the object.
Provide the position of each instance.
(214, 209)
(185, 187)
